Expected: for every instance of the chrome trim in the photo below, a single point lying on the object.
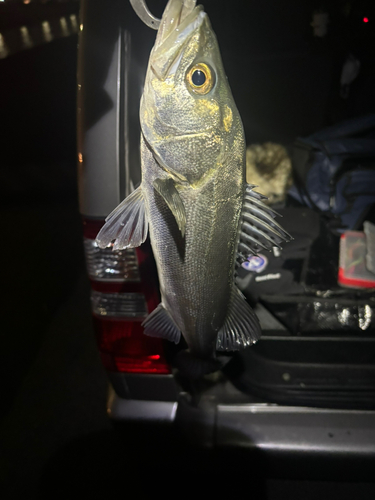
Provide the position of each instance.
(297, 429)
(141, 411)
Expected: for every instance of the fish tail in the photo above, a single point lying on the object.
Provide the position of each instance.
(192, 367)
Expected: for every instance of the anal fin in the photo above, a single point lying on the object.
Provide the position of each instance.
(127, 224)
(241, 327)
(160, 324)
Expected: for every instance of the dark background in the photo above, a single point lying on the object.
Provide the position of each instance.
(53, 388)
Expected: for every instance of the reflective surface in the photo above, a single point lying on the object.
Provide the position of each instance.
(104, 264)
(119, 304)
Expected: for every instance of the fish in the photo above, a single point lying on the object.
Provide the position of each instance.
(203, 219)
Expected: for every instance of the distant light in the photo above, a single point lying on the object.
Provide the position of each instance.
(320, 23)
(3, 48)
(26, 37)
(73, 20)
(64, 26)
(26, 1)
(47, 31)
(365, 19)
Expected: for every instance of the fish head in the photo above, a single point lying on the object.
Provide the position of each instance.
(187, 108)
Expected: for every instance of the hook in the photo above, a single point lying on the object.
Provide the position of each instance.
(144, 14)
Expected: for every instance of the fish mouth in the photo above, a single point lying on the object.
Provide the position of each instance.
(180, 20)
(173, 16)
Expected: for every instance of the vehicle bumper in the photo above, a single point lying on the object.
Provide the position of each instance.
(292, 441)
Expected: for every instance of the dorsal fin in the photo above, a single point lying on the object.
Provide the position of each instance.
(259, 230)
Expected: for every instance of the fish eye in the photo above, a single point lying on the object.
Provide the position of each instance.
(200, 78)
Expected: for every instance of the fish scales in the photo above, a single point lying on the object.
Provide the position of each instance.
(196, 272)
(192, 194)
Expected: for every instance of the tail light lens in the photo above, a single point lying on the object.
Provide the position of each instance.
(124, 291)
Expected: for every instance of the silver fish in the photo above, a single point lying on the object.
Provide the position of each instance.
(202, 216)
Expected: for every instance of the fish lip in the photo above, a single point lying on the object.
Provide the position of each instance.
(176, 11)
(183, 29)
(166, 51)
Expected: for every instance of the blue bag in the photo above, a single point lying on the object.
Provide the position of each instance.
(334, 172)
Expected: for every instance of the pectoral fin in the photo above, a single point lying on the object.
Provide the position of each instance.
(241, 326)
(127, 224)
(167, 189)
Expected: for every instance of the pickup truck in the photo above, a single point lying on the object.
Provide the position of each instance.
(281, 399)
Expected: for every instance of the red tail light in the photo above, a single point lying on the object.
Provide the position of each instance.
(124, 291)
(124, 348)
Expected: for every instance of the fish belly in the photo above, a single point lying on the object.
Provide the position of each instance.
(195, 271)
